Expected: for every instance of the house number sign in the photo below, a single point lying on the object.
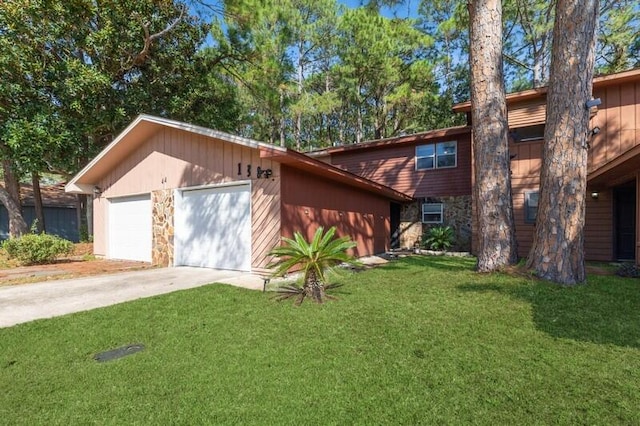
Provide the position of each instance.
(260, 172)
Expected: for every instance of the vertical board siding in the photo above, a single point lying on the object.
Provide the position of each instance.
(394, 166)
(619, 120)
(172, 158)
(598, 227)
(310, 202)
(265, 219)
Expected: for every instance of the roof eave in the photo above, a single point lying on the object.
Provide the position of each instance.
(83, 179)
(319, 168)
(598, 82)
(382, 143)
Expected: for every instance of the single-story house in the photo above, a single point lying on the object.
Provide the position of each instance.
(173, 193)
(59, 208)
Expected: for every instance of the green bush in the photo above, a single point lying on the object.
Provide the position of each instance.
(33, 249)
(440, 238)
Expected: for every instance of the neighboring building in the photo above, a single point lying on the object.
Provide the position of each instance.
(433, 167)
(174, 194)
(613, 180)
(59, 208)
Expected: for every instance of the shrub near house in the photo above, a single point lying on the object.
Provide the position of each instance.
(34, 249)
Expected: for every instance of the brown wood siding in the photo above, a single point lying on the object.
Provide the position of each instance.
(265, 219)
(525, 177)
(619, 120)
(598, 227)
(527, 113)
(309, 202)
(394, 166)
(598, 230)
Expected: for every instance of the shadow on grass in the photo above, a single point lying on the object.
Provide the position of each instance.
(605, 311)
(445, 263)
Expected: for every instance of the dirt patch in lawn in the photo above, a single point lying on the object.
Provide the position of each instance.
(81, 263)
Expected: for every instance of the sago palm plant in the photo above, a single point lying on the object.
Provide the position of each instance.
(313, 259)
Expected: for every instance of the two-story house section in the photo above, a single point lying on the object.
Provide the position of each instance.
(613, 181)
(433, 167)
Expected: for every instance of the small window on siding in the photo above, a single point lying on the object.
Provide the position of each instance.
(530, 206)
(432, 213)
(527, 134)
(436, 155)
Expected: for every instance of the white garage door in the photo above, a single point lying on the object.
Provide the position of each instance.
(213, 228)
(130, 228)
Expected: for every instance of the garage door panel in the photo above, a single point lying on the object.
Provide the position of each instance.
(130, 228)
(213, 228)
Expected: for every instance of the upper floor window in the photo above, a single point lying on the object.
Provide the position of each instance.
(530, 206)
(436, 155)
(527, 134)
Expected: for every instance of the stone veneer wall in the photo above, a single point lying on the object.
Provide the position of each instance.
(162, 223)
(457, 215)
(410, 225)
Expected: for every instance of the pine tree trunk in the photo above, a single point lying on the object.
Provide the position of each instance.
(37, 202)
(10, 197)
(494, 208)
(558, 247)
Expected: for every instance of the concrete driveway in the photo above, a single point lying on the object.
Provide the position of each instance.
(27, 302)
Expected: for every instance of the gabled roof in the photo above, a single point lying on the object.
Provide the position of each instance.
(144, 126)
(598, 82)
(398, 140)
(140, 129)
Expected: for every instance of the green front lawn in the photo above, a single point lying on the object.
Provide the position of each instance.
(418, 341)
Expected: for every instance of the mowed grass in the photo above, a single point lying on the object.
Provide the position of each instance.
(418, 341)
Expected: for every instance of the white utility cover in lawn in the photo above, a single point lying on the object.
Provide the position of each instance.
(130, 228)
(213, 228)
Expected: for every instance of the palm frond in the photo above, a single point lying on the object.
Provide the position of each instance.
(313, 258)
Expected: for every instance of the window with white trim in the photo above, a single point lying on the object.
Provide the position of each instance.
(530, 206)
(436, 155)
(432, 212)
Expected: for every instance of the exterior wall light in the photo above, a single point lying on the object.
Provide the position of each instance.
(595, 195)
(592, 103)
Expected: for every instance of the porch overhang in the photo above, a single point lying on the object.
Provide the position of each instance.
(622, 169)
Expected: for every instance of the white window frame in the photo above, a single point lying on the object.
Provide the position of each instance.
(528, 216)
(440, 212)
(435, 147)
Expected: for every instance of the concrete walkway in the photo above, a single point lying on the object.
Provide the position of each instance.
(27, 302)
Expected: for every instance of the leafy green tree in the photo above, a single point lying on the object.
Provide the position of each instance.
(382, 73)
(76, 72)
(313, 258)
(618, 45)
